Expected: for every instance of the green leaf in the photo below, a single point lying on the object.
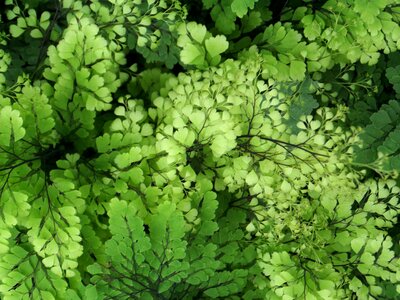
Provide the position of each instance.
(240, 7)
(45, 16)
(95, 83)
(185, 137)
(216, 45)
(357, 244)
(251, 22)
(122, 160)
(82, 77)
(17, 274)
(209, 3)
(312, 28)
(220, 146)
(147, 130)
(251, 178)
(36, 33)
(11, 129)
(16, 31)
(197, 31)
(302, 105)
(224, 19)
(192, 55)
(297, 70)
(393, 75)
(379, 137)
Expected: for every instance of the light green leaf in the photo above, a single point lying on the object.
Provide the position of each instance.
(197, 31)
(95, 83)
(192, 55)
(219, 146)
(216, 45)
(103, 143)
(185, 137)
(136, 175)
(82, 76)
(16, 31)
(251, 178)
(120, 111)
(358, 243)
(91, 292)
(141, 41)
(286, 187)
(240, 7)
(329, 203)
(122, 160)
(297, 70)
(147, 130)
(135, 154)
(11, 126)
(36, 33)
(45, 16)
(197, 118)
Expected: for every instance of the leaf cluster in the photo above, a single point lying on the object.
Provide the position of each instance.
(146, 153)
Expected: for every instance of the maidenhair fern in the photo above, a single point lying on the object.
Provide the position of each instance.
(380, 146)
(339, 253)
(24, 276)
(394, 78)
(147, 26)
(146, 156)
(199, 48)
(226, 15)
(160, 263)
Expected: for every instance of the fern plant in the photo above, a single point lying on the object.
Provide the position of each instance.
(380, 148)
(146, 156)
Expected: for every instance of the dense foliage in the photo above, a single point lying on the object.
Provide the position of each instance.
(173, 149)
